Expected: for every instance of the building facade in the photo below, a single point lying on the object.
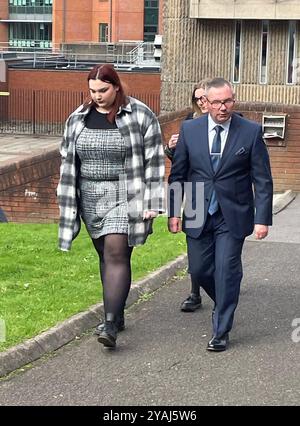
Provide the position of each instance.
(255, 44)
(48, 23)
(26, 23)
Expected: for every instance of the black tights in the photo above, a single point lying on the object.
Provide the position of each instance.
(115, 270)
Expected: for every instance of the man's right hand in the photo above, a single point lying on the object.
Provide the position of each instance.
(174, 224)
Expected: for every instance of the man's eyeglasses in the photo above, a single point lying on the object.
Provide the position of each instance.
(217, 104)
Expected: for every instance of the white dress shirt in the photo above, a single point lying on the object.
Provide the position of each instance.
(212, 132)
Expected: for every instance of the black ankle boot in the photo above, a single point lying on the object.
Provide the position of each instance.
(192, 303)
(120, 323)
(108, 335)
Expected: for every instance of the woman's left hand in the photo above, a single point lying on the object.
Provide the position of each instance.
(149, 214)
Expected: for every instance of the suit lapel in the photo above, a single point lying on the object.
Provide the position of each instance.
(204, 145)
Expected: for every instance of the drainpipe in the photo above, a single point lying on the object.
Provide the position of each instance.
(110, 21)
(64, 22)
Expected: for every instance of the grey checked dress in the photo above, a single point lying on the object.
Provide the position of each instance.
(144, 164)
(103, 199)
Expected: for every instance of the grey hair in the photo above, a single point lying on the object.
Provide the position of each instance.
(217, 82)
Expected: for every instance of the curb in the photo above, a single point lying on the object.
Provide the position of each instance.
(63, 333)
(281, 201)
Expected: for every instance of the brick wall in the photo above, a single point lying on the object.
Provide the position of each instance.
(3, 25)
(27, 189)
(77, 80)
(64, 29)
(170, 124)
(127, 20)
(285, 160)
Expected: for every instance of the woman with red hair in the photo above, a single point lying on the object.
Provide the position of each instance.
(111, 177)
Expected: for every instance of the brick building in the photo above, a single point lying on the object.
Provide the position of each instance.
(48, 23)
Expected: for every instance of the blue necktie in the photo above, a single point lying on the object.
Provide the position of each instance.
(215, 156)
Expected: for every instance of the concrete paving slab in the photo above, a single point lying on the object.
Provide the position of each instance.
(15, 148)
(281, 201)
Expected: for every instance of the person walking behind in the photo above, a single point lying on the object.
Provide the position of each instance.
(111, 177)
(198, 108)
(194, 299)
(227, 155)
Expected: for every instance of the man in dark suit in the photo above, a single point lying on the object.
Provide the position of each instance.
(226, 162)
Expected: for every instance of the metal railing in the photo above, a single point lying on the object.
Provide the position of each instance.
(121, 53)
(141, 53)
(43, 112)
(21, 46)
(79, 55)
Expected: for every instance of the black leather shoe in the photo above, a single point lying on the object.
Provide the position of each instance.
(120, 323)
(218, 345)
(192, 303)
(108, 335)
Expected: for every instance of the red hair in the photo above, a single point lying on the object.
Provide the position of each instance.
(108, 74)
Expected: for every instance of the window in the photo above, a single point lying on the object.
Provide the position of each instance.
(150, 19)
(103, 32)
(151, 3)
(264, 52)
(34, 33)
(291, 54)
(30, 6)
(237, 52)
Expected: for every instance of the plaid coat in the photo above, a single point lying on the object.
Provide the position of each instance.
(144, 166)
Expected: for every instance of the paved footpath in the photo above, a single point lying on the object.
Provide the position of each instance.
(15, 148)
(161, 357)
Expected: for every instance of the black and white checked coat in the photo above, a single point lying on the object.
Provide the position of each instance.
(144, 166)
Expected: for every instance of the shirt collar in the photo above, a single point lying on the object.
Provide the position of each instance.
(126, 108)
(212, 124)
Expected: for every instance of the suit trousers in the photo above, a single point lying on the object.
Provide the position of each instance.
(215, 261)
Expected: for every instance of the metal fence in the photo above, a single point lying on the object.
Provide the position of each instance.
(43, 112)
(29, 53)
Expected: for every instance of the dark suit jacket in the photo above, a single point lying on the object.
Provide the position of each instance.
(243, 181)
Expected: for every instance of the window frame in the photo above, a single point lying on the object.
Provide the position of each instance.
(267, 33)
(294, 55)
(234, 80)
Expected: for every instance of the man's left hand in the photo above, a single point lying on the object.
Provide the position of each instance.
(260, 231)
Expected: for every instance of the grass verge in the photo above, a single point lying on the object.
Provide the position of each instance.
(41, 286)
